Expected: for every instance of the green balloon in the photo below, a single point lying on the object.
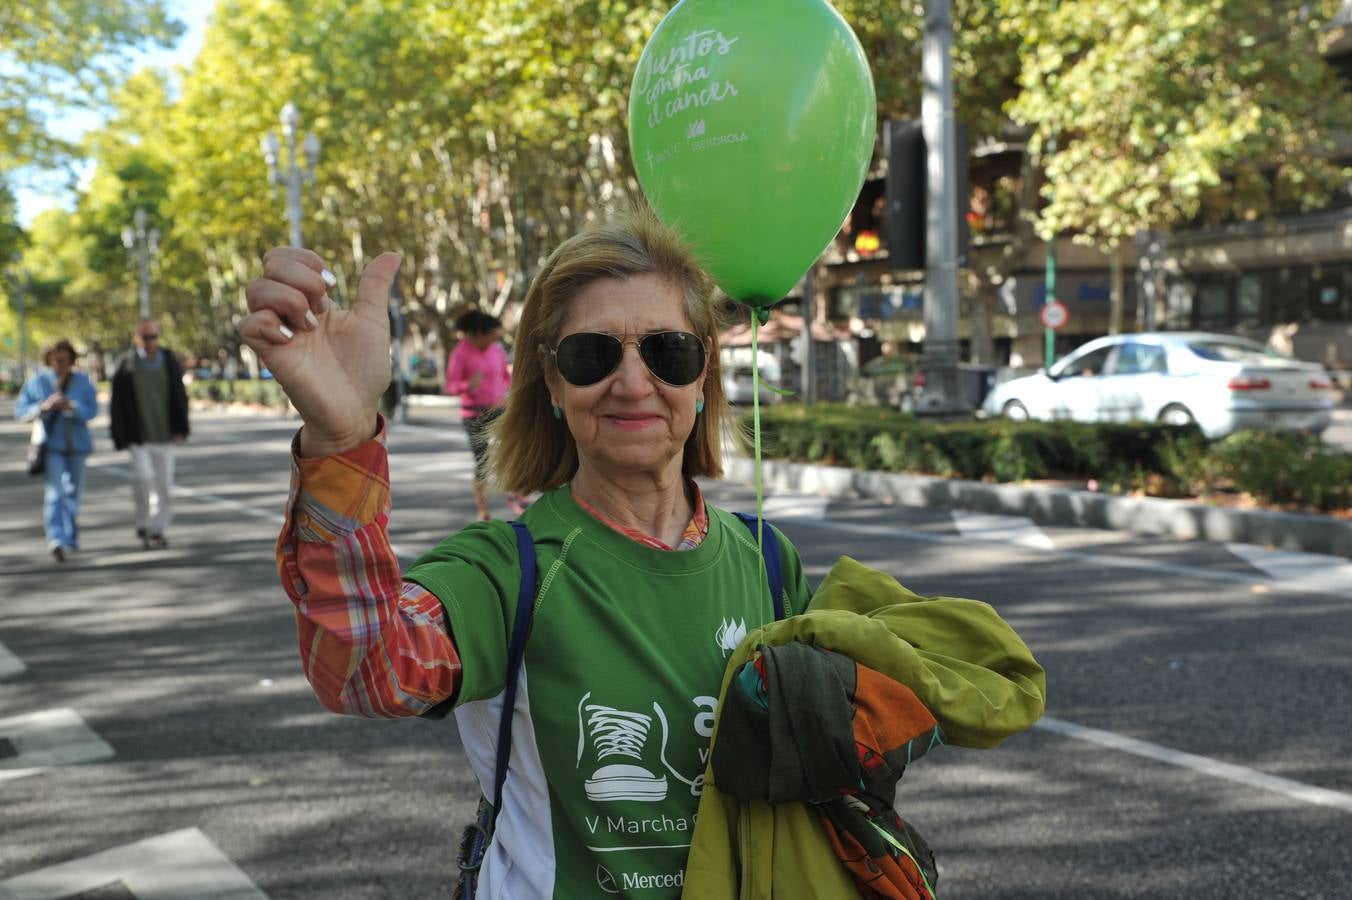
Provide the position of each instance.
(751, 124)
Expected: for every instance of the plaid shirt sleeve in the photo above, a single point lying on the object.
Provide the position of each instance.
(371, 644)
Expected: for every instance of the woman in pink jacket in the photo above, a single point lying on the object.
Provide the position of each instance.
(477, 372)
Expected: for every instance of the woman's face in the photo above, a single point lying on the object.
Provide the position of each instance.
(62, 362)
(630, 421)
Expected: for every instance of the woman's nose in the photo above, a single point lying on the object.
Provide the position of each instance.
(632, 377)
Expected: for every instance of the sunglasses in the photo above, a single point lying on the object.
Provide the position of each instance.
(150, 337)
(675, 357)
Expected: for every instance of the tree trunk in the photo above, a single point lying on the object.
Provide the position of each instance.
(1115, 290)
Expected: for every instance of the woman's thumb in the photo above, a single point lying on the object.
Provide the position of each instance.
(374, 288)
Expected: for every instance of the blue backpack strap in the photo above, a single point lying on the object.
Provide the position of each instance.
(525, 609)
(774, 570)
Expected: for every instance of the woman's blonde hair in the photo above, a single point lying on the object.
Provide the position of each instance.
(534, 451)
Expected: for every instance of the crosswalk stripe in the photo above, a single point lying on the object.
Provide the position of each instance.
(171, 866)
(1019, 530)
(47, 738)
(1312, 570)
(10, 665)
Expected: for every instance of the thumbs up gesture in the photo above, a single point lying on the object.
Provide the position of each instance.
(332, 363)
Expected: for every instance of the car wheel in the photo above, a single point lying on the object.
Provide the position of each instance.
(1173, 414)
(1015, 411)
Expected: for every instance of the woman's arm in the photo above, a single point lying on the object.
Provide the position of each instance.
(31, 395)
(457, 379)
(371, 644)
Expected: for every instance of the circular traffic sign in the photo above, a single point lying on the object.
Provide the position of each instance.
(1054, 314)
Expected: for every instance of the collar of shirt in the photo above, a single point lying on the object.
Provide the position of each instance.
(695, 531)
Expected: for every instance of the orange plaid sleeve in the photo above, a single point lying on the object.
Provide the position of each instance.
(371, 644)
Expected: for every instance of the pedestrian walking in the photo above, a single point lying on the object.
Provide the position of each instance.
(149, 415)
(477, 373)
(60, 400)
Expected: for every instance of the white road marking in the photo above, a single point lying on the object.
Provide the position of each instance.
(10, 665)
(1096, 559)
(171, 866)
(1296, 790)
(1018, 530)
(1310, 570)
(50, 737)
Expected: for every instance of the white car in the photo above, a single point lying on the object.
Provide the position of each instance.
(738, 386)
(1221, 382)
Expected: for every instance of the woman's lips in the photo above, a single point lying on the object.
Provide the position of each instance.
(633, 422)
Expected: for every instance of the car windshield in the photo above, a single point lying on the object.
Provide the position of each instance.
(1235, 351)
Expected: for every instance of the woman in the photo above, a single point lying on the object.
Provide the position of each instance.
(477, 372)
(64, 399)
(617, 406)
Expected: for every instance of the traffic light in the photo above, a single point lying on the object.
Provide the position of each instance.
(904, 223)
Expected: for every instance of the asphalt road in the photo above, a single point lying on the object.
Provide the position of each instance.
(1198, 741)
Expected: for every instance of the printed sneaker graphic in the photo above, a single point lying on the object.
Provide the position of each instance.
(730, 634)
(618, 740)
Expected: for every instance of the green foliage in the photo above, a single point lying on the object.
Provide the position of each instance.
(1282, 469)
(1161, 460)
(254, 392)
(1166, 109)
(63, 54)
(473, 137)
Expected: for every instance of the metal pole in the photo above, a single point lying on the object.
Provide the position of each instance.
(290, 119)
(144, 253)
(941, 246)
(1049, 295)
(809, 370)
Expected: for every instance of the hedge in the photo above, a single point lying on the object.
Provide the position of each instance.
(263, 391)
(1159, 460)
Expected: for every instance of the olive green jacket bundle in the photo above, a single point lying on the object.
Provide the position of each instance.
(969, 668)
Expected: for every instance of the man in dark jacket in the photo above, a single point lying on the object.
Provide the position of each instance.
(149, 413)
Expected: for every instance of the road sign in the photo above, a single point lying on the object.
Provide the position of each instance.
(1054, 315)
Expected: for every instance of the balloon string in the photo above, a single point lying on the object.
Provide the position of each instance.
(756, 428)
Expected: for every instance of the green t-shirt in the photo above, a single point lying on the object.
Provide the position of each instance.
(615, 701)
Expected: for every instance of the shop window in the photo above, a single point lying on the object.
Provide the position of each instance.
(1329, 299)
(1290, 290)
(1249, 300)
(1178, 306)
(1213, 304)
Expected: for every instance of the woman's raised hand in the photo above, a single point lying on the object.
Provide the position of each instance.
(333, 364)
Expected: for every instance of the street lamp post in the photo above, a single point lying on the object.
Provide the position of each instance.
(297, 172)
(941, 246)
(145, 244)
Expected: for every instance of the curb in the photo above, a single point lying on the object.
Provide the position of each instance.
(1178, 519)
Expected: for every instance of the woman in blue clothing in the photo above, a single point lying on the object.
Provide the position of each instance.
(64, 400)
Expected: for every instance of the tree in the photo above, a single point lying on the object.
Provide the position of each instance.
(62, 54)
(1166, 112)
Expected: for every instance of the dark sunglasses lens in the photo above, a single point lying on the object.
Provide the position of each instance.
(586, 358)
(676, 357)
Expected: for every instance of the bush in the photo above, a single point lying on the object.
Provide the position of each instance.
(263, 391)
(1161, 460)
